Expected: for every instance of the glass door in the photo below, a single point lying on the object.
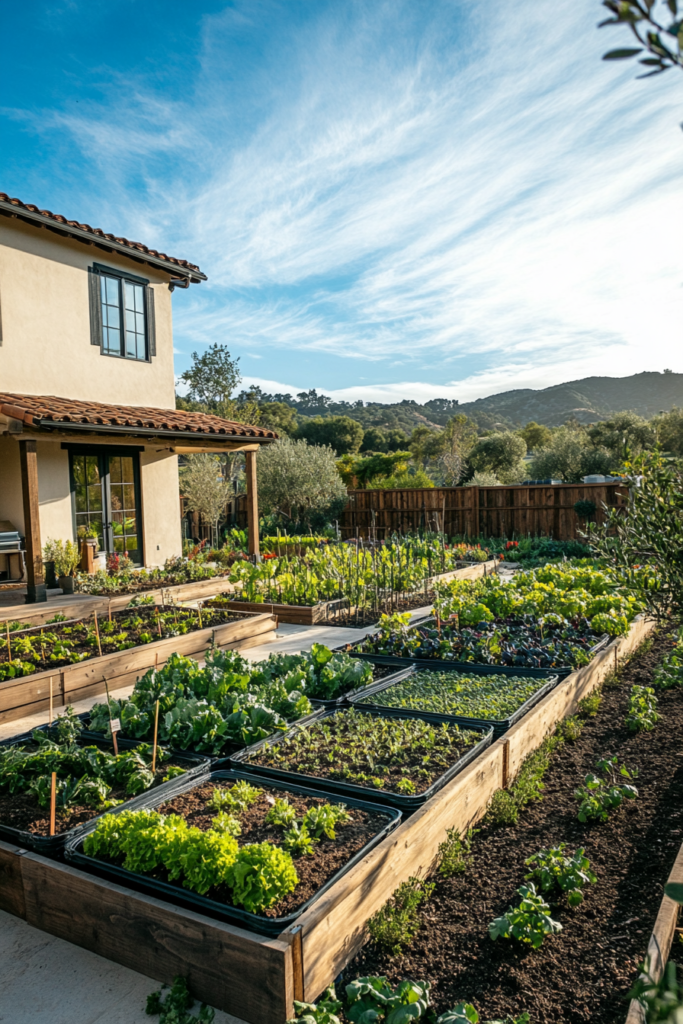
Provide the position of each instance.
(105, 490)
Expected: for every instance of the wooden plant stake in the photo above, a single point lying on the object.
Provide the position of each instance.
(42, 645)
(111, 721)
(199, 613)
(158, 624)
(156, 730)
(50, 701)
(53, 802)
(109, 609)
(97, 632)
(9, 646)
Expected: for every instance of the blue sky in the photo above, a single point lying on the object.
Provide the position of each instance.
(390, 199)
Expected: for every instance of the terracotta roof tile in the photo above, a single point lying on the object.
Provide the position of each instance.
(39, 410)
(57, 218)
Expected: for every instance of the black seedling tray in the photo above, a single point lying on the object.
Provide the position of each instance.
(202, 904)
(401, 801)
(499, 725)
(346, 699)
(52, 846)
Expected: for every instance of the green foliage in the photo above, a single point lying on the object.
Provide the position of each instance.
(590, 705)
(341, 433)
(670, 672)
(323, 819)
(569, 729)
(370, 1000)
(203, 487)
(240, 796)
(323, 1012)
(527, 787)
(174, 1008)
(642, 713)
(212, 378)
(553, 870)
(227, 824)
(297, 480)
(535, 435)
(663, 999)
(261, 875)
(281, 813)
(455, 852)
(601, 794)
(397, 922)
(649, 534)
(529, 921)
(499, 453)
(298, 840)
(662, 42)
(465, 1013)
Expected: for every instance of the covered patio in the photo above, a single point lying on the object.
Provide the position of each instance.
(66, 463)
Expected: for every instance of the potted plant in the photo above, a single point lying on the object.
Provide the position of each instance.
(49, 552)
(66, 558)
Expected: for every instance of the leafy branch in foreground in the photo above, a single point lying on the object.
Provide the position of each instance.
(601, 795)
(552, 870)
(664, 42)
(397, 922)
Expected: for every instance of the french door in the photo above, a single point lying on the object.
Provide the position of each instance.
(105, 495)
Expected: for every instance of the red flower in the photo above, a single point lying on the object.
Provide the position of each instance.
(270, 556)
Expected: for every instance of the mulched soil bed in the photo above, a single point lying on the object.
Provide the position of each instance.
(330, 854)
(342, 742)
(132, 627)
(583, 973)
(22, 811)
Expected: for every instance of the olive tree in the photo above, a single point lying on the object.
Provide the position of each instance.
(570, 456)
(204, 488)
(499, 453)
(299, 482)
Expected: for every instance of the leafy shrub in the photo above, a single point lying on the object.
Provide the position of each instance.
(261, 875)
(599, 795)
(529, 921)
(397, 922)
(552, 870)
(642, 709)
(455, 852)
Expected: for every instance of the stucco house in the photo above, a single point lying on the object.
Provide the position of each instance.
(89, 432)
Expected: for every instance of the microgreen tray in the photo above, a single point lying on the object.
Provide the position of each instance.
(457, 666)
(371, 697)
(196, 766)
(202, 904)
(401, 801)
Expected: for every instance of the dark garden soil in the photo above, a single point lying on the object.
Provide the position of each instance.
(22, 811)
(329, 854)
(55, 645)
(583, 973)
(370, 750)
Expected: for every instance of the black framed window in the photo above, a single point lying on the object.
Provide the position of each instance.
(121, 314)
(105, 494)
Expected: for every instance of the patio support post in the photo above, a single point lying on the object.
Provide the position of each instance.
(252, 505)
(36, 589)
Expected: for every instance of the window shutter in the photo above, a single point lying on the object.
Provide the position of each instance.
(0, 320)
(95, 307)
(151, 325)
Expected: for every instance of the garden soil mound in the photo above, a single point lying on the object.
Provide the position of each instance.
(583, 973)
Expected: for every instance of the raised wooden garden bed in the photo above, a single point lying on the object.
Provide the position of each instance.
(309, 615)
(23, 696)
(257, 978)
(86, 604)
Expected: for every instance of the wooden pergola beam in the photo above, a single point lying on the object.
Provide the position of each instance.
(28, 456)
(252, 504)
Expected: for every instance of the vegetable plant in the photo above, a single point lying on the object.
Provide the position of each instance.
(642, 713)
(601, 794)
(455, 852)
(373, 999)
(529, 921)
(174, 1008)
(552, 870)
(395, 924)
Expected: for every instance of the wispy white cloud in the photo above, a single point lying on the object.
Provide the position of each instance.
(469, 195)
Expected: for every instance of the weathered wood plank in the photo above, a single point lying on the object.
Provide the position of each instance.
(235, 970)
(11, 883)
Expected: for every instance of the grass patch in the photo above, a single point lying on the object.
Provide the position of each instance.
(397, 922)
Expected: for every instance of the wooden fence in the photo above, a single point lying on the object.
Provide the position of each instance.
(538, 510)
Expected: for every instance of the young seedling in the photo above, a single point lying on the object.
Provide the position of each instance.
(397, 922)
(455, 852)
(529, 921)
(600, 795)
(552, 870)
(642, 713)
(281, 813)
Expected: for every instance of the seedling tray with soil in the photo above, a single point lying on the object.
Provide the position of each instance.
(297, 878)
(468, 698)
(25, 811)
(504, 643)
(397, 758)
(584, 973)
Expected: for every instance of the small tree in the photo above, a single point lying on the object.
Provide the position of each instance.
(648, 534)
(536, 436)
(623, 433)
(669, 426)
(500, 453)
(204, 489)
(570, 456)
(457, 441)
(341, 433)
(299, 482)
(212, 378)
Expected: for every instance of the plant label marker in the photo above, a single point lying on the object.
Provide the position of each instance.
(156, 731)
(53, 801)
(114, 723)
